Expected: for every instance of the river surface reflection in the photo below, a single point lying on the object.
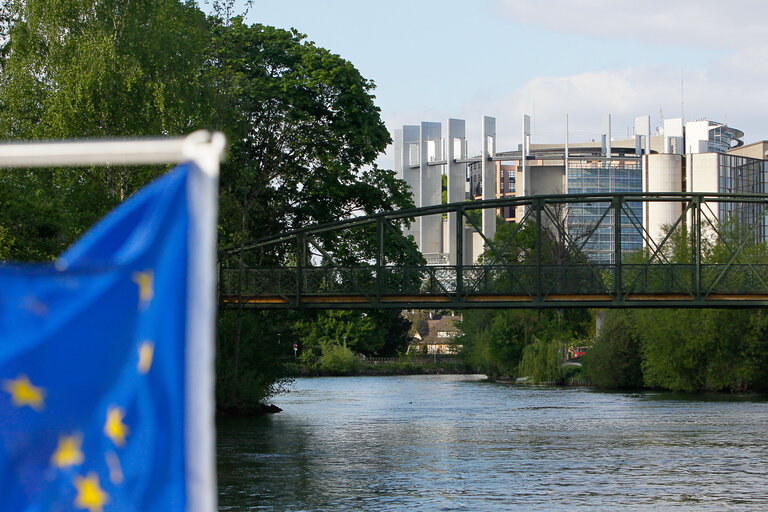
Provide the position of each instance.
(460, 443)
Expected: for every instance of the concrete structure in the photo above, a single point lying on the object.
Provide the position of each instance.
(697, 156)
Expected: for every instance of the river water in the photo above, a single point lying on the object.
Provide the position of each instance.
(461, 443)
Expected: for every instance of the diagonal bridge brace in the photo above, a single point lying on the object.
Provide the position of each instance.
(694, 202)
(734, 253)
(498, 254)
(571, 243)
(637, 223)
(416, 256)
(336, 265)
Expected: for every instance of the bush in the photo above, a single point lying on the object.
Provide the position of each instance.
(542, 361)
(614, 361)
(338, 360)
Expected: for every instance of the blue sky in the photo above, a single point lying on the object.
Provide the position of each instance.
(432, 60)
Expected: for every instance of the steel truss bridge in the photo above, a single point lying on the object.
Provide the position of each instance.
(712, 254)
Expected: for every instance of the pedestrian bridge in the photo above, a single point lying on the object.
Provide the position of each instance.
(586, 250)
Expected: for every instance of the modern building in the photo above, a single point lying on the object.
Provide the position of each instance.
(697, 156)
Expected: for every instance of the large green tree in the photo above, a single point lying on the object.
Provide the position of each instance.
(303, 128)
(305, 133)
(88, 68)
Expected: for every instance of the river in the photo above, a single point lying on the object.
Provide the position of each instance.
(458, 442)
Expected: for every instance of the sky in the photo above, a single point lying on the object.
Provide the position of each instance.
(435, 59)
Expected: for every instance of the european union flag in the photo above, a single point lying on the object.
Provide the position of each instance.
(97, 383)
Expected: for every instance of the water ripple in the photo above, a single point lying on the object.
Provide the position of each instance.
(454, 443)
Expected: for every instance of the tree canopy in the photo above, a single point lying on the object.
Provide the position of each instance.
(87, 68)
(303, 127)
(305, 134)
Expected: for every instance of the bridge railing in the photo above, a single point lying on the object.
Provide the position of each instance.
(522, 283)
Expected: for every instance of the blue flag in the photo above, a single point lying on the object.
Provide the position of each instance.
(97, 392)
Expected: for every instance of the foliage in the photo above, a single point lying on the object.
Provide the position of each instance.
(495, 340)
(266, 343)
(303, 128)
(304, 131)
(372, 333)
(393, 328)
(337, 360)
(542, 360)
(305, 134)
(91, 69)
(614, 361)
(353, 329)
(689, 350)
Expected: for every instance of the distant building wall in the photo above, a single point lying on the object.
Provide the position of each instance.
(678, 157)
(662, 173)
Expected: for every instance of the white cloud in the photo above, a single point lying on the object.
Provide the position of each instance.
(625, 94)
(703, 23)
(728, 88)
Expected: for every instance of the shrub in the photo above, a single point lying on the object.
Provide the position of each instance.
(542, 361)
(338, 360)
(615, 361)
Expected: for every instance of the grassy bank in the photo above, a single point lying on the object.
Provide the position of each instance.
(420, 365)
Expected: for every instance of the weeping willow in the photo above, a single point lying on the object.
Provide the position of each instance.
(542, 361)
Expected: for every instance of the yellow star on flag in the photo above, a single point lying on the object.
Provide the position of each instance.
(146, 350)
(146, 289)
(114, 428)
(68, 452)
(23, 392)
(90, 495)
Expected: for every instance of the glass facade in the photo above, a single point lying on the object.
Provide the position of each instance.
(743, 175)
(722, 137)
(506, 188)
(475, 180)
(600, 177)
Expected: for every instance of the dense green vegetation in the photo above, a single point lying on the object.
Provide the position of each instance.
(682, 350)
(303, 128)
(688, 349)
(523, 343)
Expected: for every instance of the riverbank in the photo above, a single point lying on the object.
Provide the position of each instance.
(372, 367)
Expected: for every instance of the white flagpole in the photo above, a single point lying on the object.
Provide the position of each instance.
(206, 152)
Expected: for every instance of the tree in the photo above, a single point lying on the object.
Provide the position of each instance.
(304, 130)
(614, 361)
(304, 134)
(542, 360)
(690, 350)
(496, 340)
(353, 329)
(90, 68)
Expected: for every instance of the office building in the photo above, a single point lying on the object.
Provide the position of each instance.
(697, 156)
